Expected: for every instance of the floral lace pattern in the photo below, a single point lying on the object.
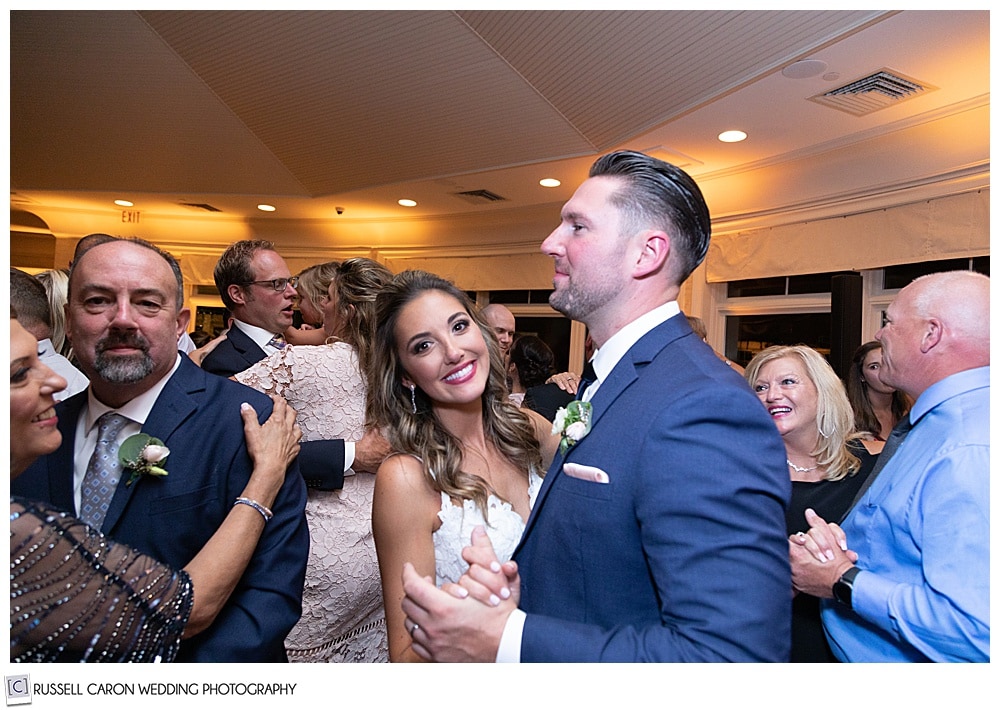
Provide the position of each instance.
(342, 616)
(504, 529)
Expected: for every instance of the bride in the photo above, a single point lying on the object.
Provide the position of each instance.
(463, 455)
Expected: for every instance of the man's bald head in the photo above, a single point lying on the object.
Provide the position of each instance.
(937, 326)
(501, 322)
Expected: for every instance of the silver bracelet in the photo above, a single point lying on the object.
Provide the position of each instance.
(262, 509)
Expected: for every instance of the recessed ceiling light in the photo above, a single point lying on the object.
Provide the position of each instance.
(732, 136)
(123, 203)
(549, 182)
(266, 208)
(408, 203)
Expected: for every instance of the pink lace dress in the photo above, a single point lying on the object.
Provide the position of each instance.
(342, 615)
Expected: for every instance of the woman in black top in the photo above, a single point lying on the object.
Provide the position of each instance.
(828, 460)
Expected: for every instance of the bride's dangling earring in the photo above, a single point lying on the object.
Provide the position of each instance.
(413, 397)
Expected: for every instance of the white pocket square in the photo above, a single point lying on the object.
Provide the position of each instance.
(586, 473)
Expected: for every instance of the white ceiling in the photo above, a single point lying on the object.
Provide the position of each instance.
(310, 111)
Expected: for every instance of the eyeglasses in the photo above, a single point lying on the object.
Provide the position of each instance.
(276, 284)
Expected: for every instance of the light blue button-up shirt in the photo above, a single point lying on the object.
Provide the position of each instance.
(922, 534)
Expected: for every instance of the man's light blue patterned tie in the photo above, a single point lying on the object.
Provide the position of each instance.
(103, 471)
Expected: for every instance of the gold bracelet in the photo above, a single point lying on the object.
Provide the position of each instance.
(262, 509)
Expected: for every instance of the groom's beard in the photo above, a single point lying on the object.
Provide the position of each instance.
(576, 301)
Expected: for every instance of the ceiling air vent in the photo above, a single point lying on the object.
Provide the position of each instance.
(877, 91)
(200, 206)
(479, 197)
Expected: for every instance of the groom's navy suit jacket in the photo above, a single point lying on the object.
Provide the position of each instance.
(683, 555)
(197, 416)
(321, 461)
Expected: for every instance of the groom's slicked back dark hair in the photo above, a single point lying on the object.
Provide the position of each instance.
(662, 195)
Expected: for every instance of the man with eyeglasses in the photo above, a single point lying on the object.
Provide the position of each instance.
(259, 291)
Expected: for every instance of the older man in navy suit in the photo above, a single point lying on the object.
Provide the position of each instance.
(660, 535)
(124, 315)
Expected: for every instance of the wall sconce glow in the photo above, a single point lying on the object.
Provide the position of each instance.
(549, 182)
(732, 136)
(266, 208)
(408, 203)
(123, 203)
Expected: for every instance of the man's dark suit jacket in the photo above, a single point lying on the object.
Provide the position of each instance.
(197, 416)
(546, 399)
(682, 556)
(321, 462)
(234, 354)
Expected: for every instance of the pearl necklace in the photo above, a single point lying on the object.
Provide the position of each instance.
(800, 469)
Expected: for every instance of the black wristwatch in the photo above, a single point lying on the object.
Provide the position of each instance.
(843, 587)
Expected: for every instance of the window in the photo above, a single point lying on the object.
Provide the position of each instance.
(210, 319)
(897, 277)
(534, 316)
(520, 297)
(788, 310)
(751, 334)
(782, 285)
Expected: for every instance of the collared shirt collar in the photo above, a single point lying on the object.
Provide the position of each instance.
(258, 335)
(947, 388)
(608, 355)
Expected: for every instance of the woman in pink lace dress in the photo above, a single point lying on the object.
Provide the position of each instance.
(342, 616)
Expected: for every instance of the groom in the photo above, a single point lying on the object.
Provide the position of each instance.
(659, 536)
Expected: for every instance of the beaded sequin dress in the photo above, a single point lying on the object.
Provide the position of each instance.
(342, 615)
(76, 595)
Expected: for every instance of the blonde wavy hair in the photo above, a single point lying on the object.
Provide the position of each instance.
(421, 434)
(56, 283)
(356, 283)
(834, 416)
(315, 280)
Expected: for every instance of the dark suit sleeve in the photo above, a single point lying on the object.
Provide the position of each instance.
(234, 354)
(322, 464)
(267, 602)
(223, 361)
(546, 399)
(709, 500)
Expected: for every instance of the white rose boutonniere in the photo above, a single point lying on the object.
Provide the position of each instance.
(143, 455)
(573, 423)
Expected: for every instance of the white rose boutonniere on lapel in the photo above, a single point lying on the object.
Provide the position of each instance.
(572, 422)
(143, 455)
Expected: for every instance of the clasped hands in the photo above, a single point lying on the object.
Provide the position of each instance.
(462, 622)
(819, 557)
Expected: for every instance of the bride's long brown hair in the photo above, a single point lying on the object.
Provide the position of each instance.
(421, 434)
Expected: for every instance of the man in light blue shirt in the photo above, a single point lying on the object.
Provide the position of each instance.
(920, 534)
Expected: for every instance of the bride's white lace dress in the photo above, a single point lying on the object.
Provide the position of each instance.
(342, 615)
(504, 529)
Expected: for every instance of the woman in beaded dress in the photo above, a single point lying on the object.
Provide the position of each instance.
(828, 460)
(122, 606)
(342, 615)
(465, 456)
